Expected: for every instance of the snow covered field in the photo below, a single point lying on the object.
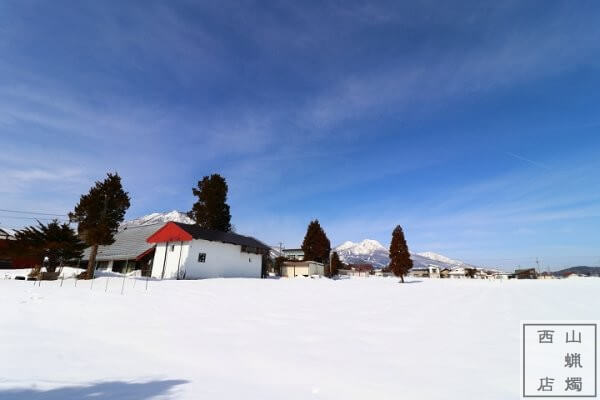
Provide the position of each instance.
(274, 339)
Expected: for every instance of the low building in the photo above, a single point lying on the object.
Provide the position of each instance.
(129, 252)
(5, 236)
(293, 254)
(527, 273)
(8, 260)
(381, 272)
(291, 269)
(457, 273)
(501, 275)
(362, 270)
(185, 251)
(430, 271)
(546, 275)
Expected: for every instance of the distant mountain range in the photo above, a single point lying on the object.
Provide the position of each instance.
(158, 218)
(372, 252)
(581, 270)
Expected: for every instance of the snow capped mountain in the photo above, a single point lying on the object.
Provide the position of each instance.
(157, 218)
(439, 257)
(372, 252)
(368, 251)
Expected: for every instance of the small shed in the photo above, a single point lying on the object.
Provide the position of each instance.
(528, 273)
(291, 269)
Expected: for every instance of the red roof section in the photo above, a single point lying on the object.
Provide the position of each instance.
(171, 232)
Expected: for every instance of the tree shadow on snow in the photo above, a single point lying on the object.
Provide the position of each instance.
(406, 282)
(97, 391)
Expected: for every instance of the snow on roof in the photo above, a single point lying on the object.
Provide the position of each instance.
(7, 233)
(129, 244)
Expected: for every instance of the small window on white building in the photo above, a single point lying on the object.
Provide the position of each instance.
(201, 257)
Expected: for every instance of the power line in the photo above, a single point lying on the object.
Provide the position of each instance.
(33, 218)
(34, 213)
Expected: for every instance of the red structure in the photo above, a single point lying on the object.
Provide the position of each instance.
(7, 262)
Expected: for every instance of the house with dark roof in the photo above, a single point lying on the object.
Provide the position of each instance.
(184, 251)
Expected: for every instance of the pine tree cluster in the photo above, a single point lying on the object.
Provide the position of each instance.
(57, 243)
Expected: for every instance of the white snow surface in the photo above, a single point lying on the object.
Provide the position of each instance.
(274, 338)
(156, 218)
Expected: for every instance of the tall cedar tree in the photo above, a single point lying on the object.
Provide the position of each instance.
(400, 261)
(58, 242)
(336, 264)
(211, 211)
(99, 214)
(316, 245)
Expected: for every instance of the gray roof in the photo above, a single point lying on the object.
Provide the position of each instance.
(6, 233)
(129, 244)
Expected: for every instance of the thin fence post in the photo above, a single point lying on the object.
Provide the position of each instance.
(62, 279)
(94, 274)
(107, 280)
(147, 278)
(124, 276)
(123, 286)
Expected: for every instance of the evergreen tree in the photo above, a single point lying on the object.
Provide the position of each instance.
(400, 261)
(336, 264)
(211, 211)
(316, 245)
(56, 242)
(99, 214)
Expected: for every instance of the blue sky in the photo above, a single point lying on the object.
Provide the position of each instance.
(474, 125)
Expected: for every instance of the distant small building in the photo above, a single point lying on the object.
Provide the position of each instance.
(381, 272)
(575, 275)
(527, 273)
(501, 275)
(546, 275)
(430, 271)
(363, 270)
(457, 273)
(292, 269)
(7, 261)
(293, 254)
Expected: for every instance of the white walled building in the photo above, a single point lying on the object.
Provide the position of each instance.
(293, 254)
(291, 269)
(430, 271)
(186, 251)
(458, 273)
